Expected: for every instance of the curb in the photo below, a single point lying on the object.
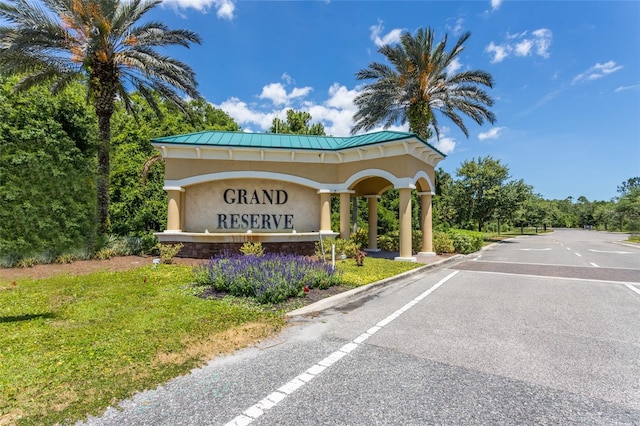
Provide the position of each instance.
(350, 295)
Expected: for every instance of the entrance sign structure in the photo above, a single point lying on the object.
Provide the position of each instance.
(228, 188)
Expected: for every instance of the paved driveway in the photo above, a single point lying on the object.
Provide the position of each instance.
(529, 333)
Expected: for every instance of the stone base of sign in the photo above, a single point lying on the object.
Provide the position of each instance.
(203, 245)
(426, 253)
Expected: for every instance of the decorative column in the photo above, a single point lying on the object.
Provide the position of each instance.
(373, 222)
(345, 211)
(325, 211)
(405, 226)
(426, 222)
(174, 217)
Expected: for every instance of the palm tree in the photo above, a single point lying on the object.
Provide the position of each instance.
(418, 83)
(57, 41)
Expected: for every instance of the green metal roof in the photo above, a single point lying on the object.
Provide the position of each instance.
(286, 141)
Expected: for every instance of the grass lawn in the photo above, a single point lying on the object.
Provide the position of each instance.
(373, 270)
(73, 345)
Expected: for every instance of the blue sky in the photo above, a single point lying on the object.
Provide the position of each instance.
(567, 75)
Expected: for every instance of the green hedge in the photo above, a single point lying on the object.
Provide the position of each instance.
(466, 241)
(442, 242)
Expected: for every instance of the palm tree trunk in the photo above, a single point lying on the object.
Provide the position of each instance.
(419, 116)
(104, 168)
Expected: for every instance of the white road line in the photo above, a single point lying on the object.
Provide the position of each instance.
(610, 251)
(567, 248)
(578, 254)
(546, 264)
(593, 264)
(632, 288)
(274, 398)
(554, 277)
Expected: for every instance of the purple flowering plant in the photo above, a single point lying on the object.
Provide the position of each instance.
(271, 278)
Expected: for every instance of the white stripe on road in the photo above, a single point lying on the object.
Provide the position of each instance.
(578, 254)
(593, 264)
(632, 288)
(554, 277)
(274, 398)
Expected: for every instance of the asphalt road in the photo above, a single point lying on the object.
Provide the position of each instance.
(538, 330)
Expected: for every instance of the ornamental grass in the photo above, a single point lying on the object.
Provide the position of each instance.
(272, 278)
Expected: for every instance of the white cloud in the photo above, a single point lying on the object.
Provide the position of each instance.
(457, 27)
(244, 115)
(224, 8)
(495, 4)
(493, 133)
(341, 97)
(277, 93)
(287, 78)
(542, 41)
(445, 145)
(335, 113)
(537, 42)
(597, 71)
(391, 37)
(454, 66)
(623, 88)
(523, 48)
(499, 52)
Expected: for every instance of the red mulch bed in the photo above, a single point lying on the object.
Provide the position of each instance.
(83, 267)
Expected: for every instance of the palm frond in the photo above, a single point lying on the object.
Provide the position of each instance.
(416, 74)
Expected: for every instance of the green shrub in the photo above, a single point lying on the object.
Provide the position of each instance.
(65, 258)
(168, 252)
(442, 243)
(252, 249)
(466, 241)
(360, 237)
(148, 244)
(346, 247)
(416, 241)
(106, 253)
(389, 242)
(27, 262)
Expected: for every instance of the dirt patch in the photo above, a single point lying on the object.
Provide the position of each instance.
(83, 267)
(218, 344)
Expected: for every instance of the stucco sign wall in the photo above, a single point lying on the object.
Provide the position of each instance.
(240, 205)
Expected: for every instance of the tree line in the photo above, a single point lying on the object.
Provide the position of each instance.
(48, 167)
(56, 154)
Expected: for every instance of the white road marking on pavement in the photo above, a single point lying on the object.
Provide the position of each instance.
(610, 251)
(555, 277)
(257, 410)
(593, 264)
(632, 288)
(532, 249)
(578, 254)
(568, 248)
